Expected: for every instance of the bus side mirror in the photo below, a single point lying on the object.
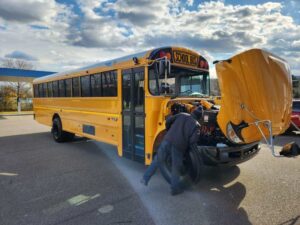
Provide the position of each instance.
(163, 67)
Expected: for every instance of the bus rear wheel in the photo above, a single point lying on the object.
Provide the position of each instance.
(59, 135)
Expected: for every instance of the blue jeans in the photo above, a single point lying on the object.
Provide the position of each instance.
(177, 163)
(177, 160)
(151, 169)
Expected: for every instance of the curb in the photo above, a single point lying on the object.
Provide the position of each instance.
(21, 114)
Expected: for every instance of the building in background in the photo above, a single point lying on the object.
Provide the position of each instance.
(296, 86)
(16, 88)
(214, 87)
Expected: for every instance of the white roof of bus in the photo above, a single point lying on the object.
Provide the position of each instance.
(104, 63)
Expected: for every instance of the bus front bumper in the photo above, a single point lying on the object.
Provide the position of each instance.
(229, 156)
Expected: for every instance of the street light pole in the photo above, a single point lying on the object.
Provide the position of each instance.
(18, 98)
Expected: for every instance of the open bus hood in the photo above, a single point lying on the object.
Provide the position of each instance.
(255, 85)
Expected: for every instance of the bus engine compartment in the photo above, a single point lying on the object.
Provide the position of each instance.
(214, 148)
(255, 105)
(211, 136)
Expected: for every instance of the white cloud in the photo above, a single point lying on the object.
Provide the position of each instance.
(108, 29)
(296, 44)
(88, 7)
(20, 55)
(27, 10)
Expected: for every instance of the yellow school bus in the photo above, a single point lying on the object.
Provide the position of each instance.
(124, 101)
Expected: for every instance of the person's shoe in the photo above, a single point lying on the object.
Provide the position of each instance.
(144, 182)
(176, 191)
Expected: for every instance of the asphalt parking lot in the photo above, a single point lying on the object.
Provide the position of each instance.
(85, 182)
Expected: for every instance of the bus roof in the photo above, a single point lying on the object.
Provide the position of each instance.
(145, 54)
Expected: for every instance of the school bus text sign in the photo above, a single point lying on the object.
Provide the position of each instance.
(185, 58)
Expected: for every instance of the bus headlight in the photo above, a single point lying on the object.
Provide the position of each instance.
(231, 134)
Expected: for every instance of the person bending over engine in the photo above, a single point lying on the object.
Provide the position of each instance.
(183, 131)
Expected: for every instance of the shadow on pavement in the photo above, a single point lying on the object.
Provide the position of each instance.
(215, 199)
(282, 140)
(223, 196)
(44, 182)
(292, 221)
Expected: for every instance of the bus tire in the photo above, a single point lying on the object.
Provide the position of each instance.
(59, 135)
(200, 164)
(189, 173)
(193, 166)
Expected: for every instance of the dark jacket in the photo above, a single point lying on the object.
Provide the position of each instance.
(182, 131)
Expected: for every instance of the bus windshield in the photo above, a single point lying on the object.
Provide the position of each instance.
(180, 82)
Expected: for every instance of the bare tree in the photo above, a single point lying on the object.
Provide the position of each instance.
(17, 64)
(22, 89)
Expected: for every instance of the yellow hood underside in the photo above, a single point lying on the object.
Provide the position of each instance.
(255, 85)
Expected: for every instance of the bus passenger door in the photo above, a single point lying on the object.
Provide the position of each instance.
(133, 128)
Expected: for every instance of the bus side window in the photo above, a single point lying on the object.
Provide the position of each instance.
(49, 88)
(75, 87)
(96, 85)
(55, 88)
(105, 85)
(36, 90)
(140, 92)
(40, 90)
(114, 83)
(85, 82)
(153, 83)
(61, 88)
(45, 90)
(68, 84)
(109, 83)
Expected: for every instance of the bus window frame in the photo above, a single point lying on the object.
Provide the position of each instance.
(63, 90)
(176, 84)
(49, 90)
(55, 93)
(89, 89)
(78, 87)
(70, 89)
(96, 77)
(36, 90)
(40, 90)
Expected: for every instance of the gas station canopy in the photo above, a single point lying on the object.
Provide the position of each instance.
(19, 75)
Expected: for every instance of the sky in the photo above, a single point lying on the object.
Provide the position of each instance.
(59, 35)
